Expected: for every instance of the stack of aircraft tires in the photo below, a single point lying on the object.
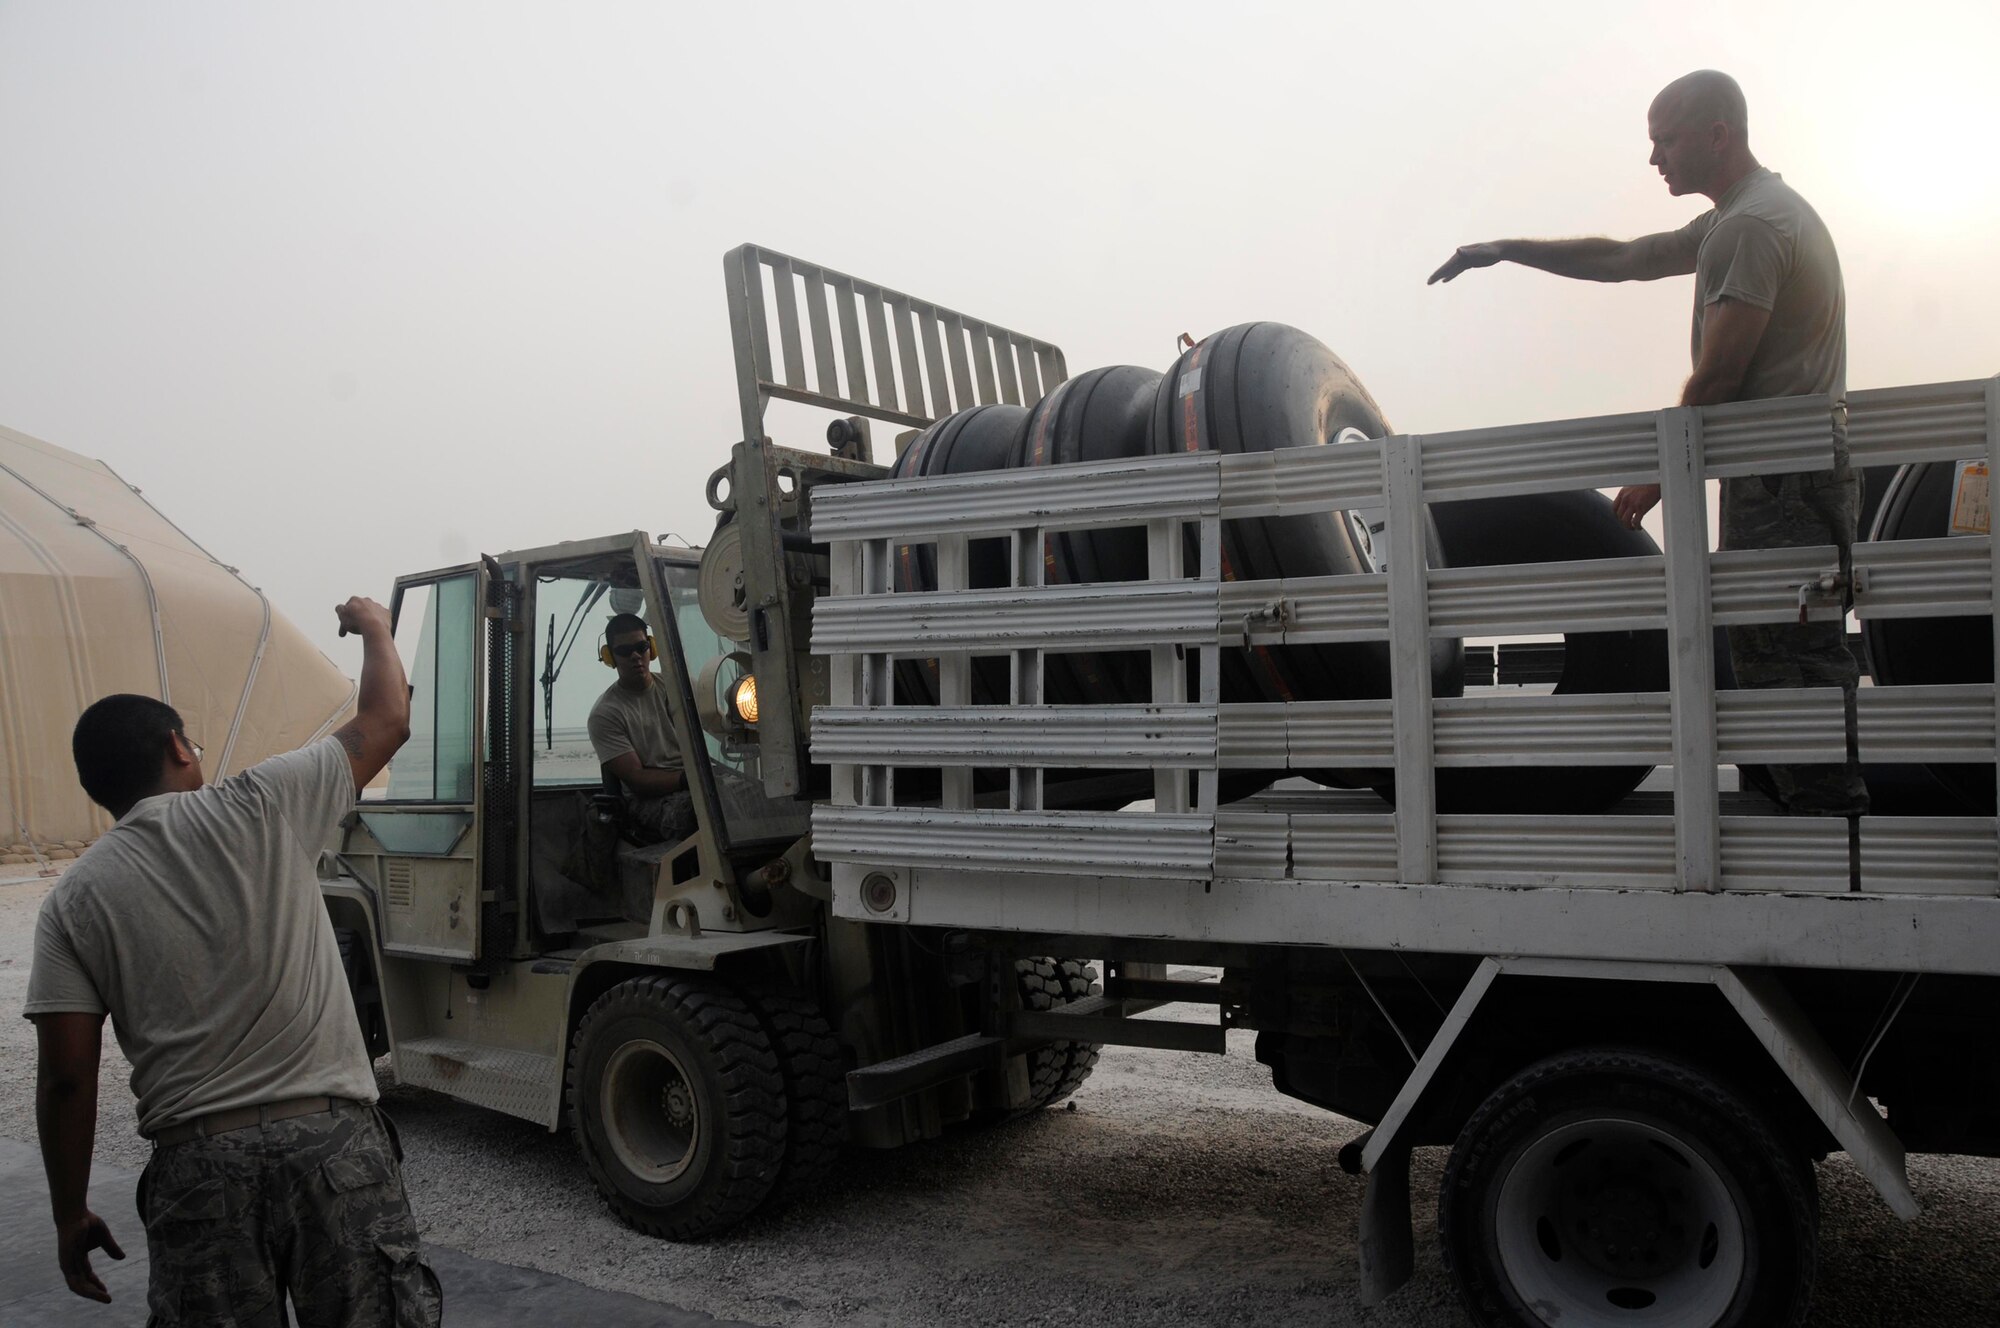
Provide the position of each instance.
(1250, 388)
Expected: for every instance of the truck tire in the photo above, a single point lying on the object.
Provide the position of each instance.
(1918, 652)
(678, 1106)
(815, 1078)
(1059, 1069)
(1611, 1187)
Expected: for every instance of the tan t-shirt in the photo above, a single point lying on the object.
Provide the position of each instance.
(1764, 245)
(626, 721)
(196, 923)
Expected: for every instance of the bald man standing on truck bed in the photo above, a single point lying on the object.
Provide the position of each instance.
(196, 923)
(1770, 320)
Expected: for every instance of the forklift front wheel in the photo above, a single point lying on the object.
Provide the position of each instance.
(678, 1106)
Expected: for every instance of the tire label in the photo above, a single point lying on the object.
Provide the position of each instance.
(1971, 507)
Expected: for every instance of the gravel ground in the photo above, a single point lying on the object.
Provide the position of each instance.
(1178, 1190)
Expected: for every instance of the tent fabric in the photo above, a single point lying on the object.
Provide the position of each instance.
(101, 593)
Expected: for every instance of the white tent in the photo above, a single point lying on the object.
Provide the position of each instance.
(101, 593)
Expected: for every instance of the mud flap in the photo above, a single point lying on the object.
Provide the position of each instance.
(1387, 1245)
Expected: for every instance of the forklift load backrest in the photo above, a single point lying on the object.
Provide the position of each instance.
(915, 363)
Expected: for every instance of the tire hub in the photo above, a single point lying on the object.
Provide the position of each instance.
(1620, 1220)
(1630, 1226)
(649, 1111)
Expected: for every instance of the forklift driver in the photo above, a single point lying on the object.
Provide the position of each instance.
(632, 732)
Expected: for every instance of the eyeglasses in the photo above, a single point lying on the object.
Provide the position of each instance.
(631, 648)
(193, 746)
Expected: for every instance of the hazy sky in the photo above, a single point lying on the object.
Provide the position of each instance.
(363, 288)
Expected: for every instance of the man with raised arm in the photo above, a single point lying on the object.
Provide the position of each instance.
(196, 924)
(1770, 320)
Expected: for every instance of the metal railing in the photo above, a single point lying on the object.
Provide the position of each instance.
(1687, 590)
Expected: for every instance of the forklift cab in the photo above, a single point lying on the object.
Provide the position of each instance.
(494, 836)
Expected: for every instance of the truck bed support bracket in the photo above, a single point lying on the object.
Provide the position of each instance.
(1766, 1009)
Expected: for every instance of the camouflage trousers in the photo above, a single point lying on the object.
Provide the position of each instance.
(670, 817)
(311, 1207)
(1796, 511)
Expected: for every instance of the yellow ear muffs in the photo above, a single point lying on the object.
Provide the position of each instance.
(610, 662)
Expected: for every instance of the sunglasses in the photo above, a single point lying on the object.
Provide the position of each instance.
(631, 648)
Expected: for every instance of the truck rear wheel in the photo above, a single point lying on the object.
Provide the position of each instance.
(1618, 1187)
(678, 1106)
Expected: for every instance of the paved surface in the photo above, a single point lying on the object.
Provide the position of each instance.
(478, 1293)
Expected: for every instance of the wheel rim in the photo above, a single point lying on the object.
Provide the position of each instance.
(651, 1114)
(1616, 1220)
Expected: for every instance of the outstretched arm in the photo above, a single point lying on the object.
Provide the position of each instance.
(381, 722)
(66, 1119)
(1647, 258)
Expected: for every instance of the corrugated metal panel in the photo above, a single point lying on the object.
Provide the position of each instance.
(1091, 494)
(1762, 585)
(1103, 617)
(1114, 737)
(1767, 437)
(1163, 844)
(1302, 479)
(1359, 847)
(1607, 729)
(1944, 724)
(1796, 724)
(1942, 855)
(1301, 610)
(1925, 578)
(1604, 594)
(1784, 853)
(1251, 736)
(1304, 735)
(1529, 458)
(1621, 851)
(1893, 426)
(1253, 845)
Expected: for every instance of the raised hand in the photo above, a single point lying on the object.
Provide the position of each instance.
(360, 614)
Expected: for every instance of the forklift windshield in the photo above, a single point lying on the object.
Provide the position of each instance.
(573, 603)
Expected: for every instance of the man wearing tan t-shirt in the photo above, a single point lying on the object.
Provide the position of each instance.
(632, 732)
(1770, 320)
(196, 924)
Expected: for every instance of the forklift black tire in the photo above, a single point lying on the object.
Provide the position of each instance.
(815, 1078)
(1612, 1186)
(678, 1106)
(1057, 1069)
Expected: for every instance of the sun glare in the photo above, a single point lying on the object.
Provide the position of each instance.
(1919, 156)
